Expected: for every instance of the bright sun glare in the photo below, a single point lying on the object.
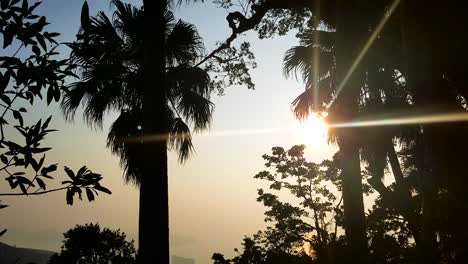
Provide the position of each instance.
(313, 131)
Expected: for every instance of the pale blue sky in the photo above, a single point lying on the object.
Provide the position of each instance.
(212, 196)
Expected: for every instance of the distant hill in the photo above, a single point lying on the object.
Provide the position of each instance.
(14, 255)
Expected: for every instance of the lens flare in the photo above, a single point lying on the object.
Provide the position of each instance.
(368, 44)
(406, 120)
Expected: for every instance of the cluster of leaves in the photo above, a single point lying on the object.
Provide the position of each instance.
(282, 21)
(252, 252)
(231, 66)
(24, 76)
(277, 22)
(312, 215)
(90, 244)
(307, 218)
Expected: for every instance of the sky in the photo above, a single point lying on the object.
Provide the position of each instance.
(212, 196)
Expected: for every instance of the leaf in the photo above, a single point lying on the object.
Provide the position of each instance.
(23, 180)
(25, 5)
(22, 109)
(3, 206)
(4, 159)
(39, 150)
(5, 99)
(23, 189)
(48, 169)
(10, 180)
(5, 81)
(34, 164)
(3, 232)
(17, 115)
(69, 197)
(41, 183)
(56, 95)
(81, 171)
(102, 189)
(41, 162)
(50, 95)
(52, 35)
(70, 173)
(46, 123)
(8, 35)
(85, 21)
(33, 6)
(36, 50)
(4, 4)
(90, 195)
(41, 41)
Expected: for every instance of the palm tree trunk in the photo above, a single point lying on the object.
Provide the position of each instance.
(349, 40)
(421, 77)
(407, 205)
(153, 233)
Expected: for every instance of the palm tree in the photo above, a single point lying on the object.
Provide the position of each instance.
(323, 59)
(322, 62)
(111, 55)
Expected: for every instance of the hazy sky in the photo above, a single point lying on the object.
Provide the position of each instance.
(212, 196)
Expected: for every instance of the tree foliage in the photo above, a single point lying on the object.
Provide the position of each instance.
(31, 72)
(90, 244)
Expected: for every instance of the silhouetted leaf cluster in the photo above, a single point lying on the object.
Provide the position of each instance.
(31, 72)
(90, 244)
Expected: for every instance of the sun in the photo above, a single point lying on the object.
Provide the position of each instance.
(312, 131)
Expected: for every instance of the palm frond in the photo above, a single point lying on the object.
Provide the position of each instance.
(128, 21)
(195, 108)
(310, 101)
(323, 39)
(183, 44)
(77, 94)
(185, 78)
(299, 61)
(303, 105)
(120, 141)
(180, 138)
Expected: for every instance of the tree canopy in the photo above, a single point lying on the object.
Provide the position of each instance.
(90, 244)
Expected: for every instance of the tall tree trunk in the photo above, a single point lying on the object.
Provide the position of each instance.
(422, 78)
(349, 41)
(406, 204)
(153, 233)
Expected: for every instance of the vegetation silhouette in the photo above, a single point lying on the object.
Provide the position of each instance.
(158, 84)
(382, 59)
(32, 70)
(90, 244)
(111, 57)
(357, 60)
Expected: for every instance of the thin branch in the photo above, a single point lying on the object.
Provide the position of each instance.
(239, 24)
(14, 54)
(32, 182)
(5, 111)
(34, 193)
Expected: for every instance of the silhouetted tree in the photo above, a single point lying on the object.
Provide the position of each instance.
(157, 83)
(308, 226)
(90, 244)
(24, 76)
(421, 72)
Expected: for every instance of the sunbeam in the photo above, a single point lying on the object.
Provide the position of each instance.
(408, 120)
(368, 44)
(320, 126)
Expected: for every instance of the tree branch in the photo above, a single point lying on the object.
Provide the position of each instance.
(34, 193)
